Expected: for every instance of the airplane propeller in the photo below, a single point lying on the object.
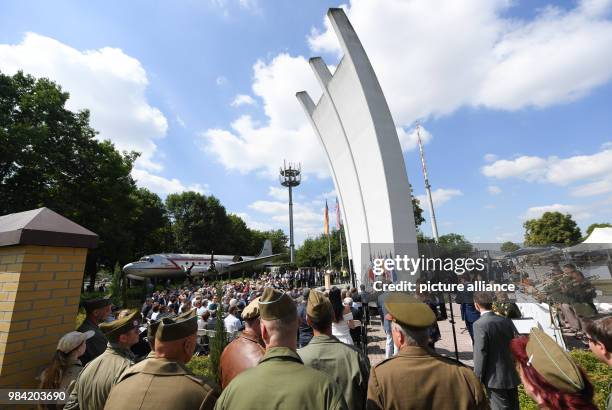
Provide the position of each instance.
(212, 267)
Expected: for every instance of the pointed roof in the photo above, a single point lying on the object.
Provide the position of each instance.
(44, 227)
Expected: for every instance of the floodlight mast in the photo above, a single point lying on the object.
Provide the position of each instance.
(290, 177)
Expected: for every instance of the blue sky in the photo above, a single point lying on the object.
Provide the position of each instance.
(515, 98)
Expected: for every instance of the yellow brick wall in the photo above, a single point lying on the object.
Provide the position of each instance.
(39, 298)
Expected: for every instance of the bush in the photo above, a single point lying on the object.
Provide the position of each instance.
(80, 318)
(218, 343)
(91, 295)
(200, 366)
(599, 375)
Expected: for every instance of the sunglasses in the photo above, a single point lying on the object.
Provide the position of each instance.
(588, 339)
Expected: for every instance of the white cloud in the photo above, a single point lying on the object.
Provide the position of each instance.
(221, 80)
(226, 5)
(509, 236)
(595, 168)
(409, 141)
(525, 167)
(493, 189)
(249, 146)
(490, 157)
(243, 99)
(260, 226)
(307, 217)
(281, 194)
(577, 212)
(328, 195)
(481, 57)
(180, 121)
(600, 187)
(440, 196)
(108, 82)
(164, 186)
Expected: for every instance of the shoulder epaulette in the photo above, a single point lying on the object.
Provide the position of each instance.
(385, 361)
(195, 379)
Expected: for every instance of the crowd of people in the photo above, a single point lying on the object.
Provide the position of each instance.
(296, 346)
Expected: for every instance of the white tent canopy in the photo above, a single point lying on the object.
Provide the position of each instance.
(600, 235)
(599, 239)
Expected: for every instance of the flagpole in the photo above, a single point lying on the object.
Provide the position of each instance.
(326, 230)
(339, 226)
(329, 249)
(341, 251)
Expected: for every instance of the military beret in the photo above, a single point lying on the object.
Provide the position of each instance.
(177, 328)
(406, 310)
(319, 307)
(97, 303)
(114, 329)
(274, 304)
(553, 363)
(252, 310)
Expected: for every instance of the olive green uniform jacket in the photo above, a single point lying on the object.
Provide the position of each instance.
(98, 376)
(418, 378)
(281, 381)
(344, 363)
(96, 345)
(161, 384)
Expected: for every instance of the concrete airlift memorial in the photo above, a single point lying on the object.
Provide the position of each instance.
(354, 124)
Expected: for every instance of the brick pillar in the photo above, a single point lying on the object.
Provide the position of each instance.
(40, 286)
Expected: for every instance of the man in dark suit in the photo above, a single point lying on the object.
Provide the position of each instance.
(493, 362)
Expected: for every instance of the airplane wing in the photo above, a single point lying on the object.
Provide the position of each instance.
(251, 262)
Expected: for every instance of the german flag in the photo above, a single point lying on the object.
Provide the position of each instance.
(326, 220)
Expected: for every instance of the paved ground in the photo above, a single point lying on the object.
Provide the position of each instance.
(445, 347)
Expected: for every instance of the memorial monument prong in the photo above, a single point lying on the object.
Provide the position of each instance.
(355, 127)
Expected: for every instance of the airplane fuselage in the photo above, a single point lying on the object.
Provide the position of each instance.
(167, 265)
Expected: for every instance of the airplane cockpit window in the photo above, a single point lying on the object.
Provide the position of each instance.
(151, 260)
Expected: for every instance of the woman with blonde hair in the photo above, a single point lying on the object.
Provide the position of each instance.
(65, 365)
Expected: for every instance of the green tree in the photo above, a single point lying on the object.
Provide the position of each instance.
(200, 223)
(453, 244)
(552, 228)
(218, 342)
(49, 157)
(597, 225)
(417, 210)
(315, 251)
(150, 225)
(277, 237)
(509, 247)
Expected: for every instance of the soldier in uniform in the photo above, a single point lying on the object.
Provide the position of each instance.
(97, 310)
(163, 381)
(246, 350)
(346, 364)
(281, 380)
(95, 381)
(417, 377)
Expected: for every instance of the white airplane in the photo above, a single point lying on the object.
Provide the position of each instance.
(165, 265)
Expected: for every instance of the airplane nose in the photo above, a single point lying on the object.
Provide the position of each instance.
(128, 268)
